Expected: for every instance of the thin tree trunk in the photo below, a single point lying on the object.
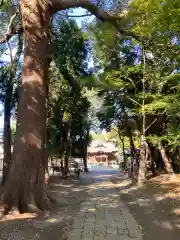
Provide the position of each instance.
(123, 147)
(142, 163)
(151, 160)
(25, 182)
(133, 154)
(85, 159)
(62, 168)
(7, 141)
(66, 161)
(167, 164)
(85, 152)
(7, 131)
(142, 174)
(124, 155)
(68, 150)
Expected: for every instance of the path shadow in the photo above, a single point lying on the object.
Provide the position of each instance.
(155, 205)
(55, 224)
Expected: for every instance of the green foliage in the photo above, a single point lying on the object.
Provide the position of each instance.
(71, 47)
(151, 16)
(121, 72)
(68, 107)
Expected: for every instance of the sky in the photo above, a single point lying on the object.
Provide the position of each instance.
(80, 20)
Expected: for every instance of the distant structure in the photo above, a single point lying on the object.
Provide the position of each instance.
(102, 152)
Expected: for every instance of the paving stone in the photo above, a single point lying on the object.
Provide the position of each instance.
(99, 238)
(104, 217)
(101, 222)
(122, 231)
(100, 226)
(79, 218)
(134, 231)
(112, 231)
(75, 235)
(121, 225)
(89, 225)
(78, 225)
(86, 238)
(129, 238)
(112, 237)
(90, 220)
(87, 234)
(100, 231)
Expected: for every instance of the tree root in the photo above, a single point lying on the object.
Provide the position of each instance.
(36, 205)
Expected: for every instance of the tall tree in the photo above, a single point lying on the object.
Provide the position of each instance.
(27, 158)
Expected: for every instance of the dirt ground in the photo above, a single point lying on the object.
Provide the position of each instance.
(51, 225)
(156, 206)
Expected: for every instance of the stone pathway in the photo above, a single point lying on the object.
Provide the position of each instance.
(104, 217)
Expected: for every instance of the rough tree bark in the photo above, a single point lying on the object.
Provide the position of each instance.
(167, 165)
(7, 112)
(27, 169)
(47, 115)
(143, 162)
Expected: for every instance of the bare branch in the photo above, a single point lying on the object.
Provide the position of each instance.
(75, 16)
(58, 5)
(153, 121)
(151, 124)
(134, 101)
(11, 30)
(7, 37)
(11, 22)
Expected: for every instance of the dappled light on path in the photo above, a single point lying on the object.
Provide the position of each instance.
(103, 215)
(155, 205)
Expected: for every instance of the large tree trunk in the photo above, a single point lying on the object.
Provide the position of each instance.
(47, 115)
(167, 164)
(25, 182)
